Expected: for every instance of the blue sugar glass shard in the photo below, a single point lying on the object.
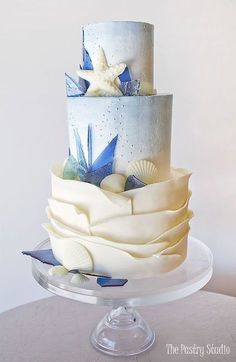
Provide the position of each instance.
(125, 76)
(87, 62)
(45, 256)
(110, 282)
(82, 164)
(90, 149)
(106, 156)
(71, 169)
(82, 86)
(82, 83)
(130, 88)
(73, 89)
(92, 172)
(96, 177)
(133, 182)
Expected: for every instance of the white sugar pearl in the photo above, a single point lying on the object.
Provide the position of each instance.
(113, 183)
(57, 271)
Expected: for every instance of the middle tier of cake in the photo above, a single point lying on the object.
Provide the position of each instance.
(142, 124)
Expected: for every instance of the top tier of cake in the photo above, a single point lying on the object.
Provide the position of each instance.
(124, 41)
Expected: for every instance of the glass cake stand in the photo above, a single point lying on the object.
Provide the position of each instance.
(123, 332)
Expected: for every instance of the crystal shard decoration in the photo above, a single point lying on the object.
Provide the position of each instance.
(87, 62)
(71, 169)
(110, 282)
(87, 65)
(130, 88)
(133, 182)
(96, 177)
(90, 146)
(92, 172)
(106, 156)
(73, 88)
(45, 256)
(82, 163)
(125, 76)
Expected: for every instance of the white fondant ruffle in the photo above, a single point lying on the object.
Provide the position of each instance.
(132, 234)
(139, 228)
(119, 263)
(171, 237)
(164, 195)
(98, 204)
(68, 214)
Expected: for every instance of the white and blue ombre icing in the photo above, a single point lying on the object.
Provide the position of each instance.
(143, 126)
(123, 42)
(142, 121)
(126, 42)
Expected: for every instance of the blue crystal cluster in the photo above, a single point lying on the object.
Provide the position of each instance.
(92, 172)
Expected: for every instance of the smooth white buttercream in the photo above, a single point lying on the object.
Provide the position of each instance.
(144, 234)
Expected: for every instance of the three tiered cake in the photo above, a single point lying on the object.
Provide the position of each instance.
(117, 207)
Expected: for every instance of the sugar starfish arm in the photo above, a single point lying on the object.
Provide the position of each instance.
(103, 79)
(86, 74)
(115, 70)
(100, 62)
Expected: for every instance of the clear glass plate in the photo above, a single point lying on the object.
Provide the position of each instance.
(189, 277)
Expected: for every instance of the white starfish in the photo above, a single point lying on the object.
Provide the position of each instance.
(103, 78)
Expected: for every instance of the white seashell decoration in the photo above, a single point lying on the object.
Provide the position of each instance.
(113, 183)
(76, 256)
(58, 271)
(79, 279)
(144, 170)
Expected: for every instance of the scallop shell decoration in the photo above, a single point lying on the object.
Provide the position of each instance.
(76, 256)
(113, 183)
(79, 279)
(144, 170)
(58, 271)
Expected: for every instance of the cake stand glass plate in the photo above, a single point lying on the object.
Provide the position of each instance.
(123, 332)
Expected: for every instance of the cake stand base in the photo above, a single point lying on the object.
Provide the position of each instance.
(122, 332)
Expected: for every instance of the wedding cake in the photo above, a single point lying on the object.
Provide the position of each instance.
(117, 207)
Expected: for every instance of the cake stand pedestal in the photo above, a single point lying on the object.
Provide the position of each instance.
(123, 332)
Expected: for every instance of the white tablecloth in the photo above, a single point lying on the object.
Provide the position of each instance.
(57, 329)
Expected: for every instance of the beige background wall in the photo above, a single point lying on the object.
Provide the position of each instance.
(195, 57)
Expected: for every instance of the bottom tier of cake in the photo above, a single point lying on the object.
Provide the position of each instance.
(138, 233)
